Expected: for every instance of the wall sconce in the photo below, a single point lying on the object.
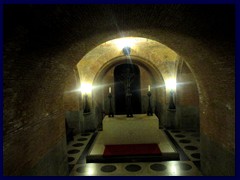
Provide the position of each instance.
(86, 106)
(130, 42)
(149, 111)
(171, 106)
(171, 87)
(171, 84)
(110, 104)
(126, 51)
(86, 89)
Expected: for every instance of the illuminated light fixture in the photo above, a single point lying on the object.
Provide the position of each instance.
(171, 84)
(171, 87)
(149, 111)
(126, 51)
(110, 114)
(86, 88)
(125, 42)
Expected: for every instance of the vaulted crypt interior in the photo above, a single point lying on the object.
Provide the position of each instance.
(51, 52)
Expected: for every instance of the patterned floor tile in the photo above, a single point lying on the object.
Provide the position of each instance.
(186, 139)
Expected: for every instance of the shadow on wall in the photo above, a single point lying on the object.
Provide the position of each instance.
(73, 120)
(159, 112)
(81, 122)
(183, 118)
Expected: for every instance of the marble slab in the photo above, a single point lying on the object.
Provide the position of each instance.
(140, 129)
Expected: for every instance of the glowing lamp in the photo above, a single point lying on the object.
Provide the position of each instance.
(126, 51)
(86, 88)
(171, 84)
(125, 42)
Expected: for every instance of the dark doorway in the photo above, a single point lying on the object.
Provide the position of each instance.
(120, 96)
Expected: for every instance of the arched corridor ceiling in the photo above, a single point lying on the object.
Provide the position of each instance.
(162, 57)
(43, 44)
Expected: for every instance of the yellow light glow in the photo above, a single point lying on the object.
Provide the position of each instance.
(125, 42)
(173, 169)
(171, 84)
(90, 172)
(86, 88)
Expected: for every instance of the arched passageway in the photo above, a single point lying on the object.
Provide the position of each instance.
(44, 66)
(120, 89)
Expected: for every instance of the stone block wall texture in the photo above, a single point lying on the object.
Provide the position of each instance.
(36, 68)
(73, 120)
(53, 163)
(187, 99)
(187, 92)
(33, 114)
(72, 100)
(145, 80)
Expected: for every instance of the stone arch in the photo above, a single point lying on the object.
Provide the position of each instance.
(205, 63)
(158, 96)
(215, 84)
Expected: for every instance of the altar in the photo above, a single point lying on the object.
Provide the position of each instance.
(139, 129)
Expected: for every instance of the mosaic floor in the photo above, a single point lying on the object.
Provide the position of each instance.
(186, 141)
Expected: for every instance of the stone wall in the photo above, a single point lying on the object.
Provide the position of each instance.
(47, 164)
(34, 121)
(187, 99)
(73, 102)
(72, 93)
(41, 49)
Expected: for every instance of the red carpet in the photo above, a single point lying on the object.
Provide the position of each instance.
(131, 149)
